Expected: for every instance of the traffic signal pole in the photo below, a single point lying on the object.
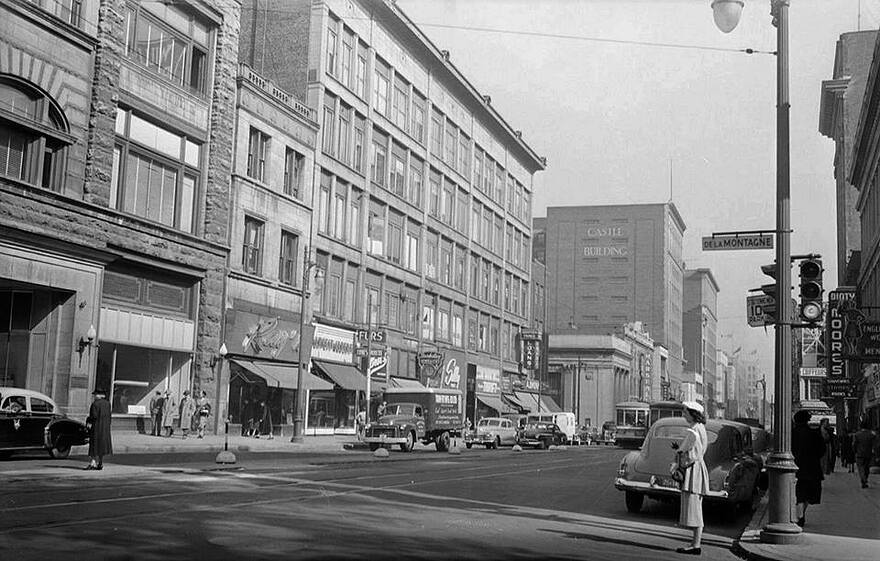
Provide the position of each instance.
(780, 466)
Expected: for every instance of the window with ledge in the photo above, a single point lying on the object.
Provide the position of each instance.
(401, 104)
(169, 41)
(155, 172)
(294, 164)
(332, 35)
(380, 160)
(359, 139)
(252, 246)
(382, 78)
(417, 125)
(258, 148)
(33, 136)
(416, 184)
(68, 11)
(288, 260)
(360, 85)
(347, 56)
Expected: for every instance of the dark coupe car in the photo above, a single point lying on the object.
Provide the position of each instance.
(541, 435)
(30, 420)
(733, 468)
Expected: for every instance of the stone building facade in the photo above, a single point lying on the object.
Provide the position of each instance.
(700, 332)
(114, 191)
(423, 195)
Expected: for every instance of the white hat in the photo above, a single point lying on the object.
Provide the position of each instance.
(693, 406)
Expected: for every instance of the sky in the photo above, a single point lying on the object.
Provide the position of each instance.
(623, 119)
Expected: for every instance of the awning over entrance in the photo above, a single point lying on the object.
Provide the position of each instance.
(405, 383)
(548, 404)
(516, 402)
(529, 400)
(495, 403)
(277, 375)
(346, 376)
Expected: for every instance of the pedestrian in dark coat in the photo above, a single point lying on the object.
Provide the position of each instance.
(156, 414)
(98, 423)
(808, 449)
(864, 443)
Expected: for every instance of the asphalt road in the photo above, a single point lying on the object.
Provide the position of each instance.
(482, 504)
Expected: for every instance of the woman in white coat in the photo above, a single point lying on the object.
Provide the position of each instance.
(696, 479)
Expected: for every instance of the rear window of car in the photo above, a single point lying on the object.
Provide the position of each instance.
(483, 423)
(40, 406)
(678, 432)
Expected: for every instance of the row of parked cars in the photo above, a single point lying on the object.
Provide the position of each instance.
(493, 432)
(736, 458)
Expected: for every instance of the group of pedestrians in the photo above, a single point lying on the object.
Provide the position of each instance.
(815, 453)
(189, 414)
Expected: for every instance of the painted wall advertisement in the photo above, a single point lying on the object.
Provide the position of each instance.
(440, 369)
(268, 336)
(488, 380)
(333, 344)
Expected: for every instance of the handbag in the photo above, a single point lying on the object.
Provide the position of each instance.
(678, 468)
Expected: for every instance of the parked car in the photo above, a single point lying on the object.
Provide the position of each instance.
(30, 420)
(541, 435)
(492, 432)
(733, 470)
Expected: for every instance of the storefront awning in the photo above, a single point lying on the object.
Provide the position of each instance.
(516, 402)
(548, 404)
(530, 400)
(277, 375)
(495, 403)
(346, 376)
(405, 383)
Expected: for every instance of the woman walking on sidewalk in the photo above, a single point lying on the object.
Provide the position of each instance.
(98, 423)
(696, 476)
(808, 448)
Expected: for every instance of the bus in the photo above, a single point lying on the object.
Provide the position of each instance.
(663, 409)
(632, 423)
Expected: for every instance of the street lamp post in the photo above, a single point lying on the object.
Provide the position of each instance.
(780, 466)
(299, 405)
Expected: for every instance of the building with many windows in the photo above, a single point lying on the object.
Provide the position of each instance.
(422, 211)
(116, 128)
(700, 332)
(612, 265)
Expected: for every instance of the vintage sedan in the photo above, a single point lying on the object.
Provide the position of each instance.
(492, 432)
(733, 469)
(541, 435)
(30, 420)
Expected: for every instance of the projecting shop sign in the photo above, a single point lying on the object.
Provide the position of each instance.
(717, 243)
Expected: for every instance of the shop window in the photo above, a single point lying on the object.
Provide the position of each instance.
(33, 136)
(168, 41)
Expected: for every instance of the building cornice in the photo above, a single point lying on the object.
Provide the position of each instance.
(829, 105)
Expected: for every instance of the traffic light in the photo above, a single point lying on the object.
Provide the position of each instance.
(811, 290)
(769, 290)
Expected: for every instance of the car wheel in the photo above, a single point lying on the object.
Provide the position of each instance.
(468, 445)
(634, 501)
(408, 445)
(443, 442)
(374, 446)
(61, 449)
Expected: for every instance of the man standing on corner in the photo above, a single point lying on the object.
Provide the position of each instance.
(156, 414)
(98, 423)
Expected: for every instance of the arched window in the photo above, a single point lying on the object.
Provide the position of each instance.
(33, 135)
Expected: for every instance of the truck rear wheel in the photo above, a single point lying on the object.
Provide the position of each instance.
(410, 441)
(443, 441)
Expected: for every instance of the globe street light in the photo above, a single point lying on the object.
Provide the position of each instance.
(780, 466)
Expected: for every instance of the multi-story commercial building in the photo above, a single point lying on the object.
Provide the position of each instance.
(612, 265)
(116, 125)
(858, 167)
(699, 331)
(423, 193)
(271, 207)
(841, 102)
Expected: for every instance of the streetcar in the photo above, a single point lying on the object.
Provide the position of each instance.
(632, 423)
(663, 409)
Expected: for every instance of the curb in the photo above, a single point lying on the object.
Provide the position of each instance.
(753, 528)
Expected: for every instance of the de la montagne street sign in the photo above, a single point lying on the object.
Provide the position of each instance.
(722, 243)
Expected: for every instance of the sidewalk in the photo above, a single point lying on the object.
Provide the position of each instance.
(137, 443)
(845, 527)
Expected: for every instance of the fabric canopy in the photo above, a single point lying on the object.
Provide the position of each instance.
(529, 400)
(495, 403)
(278, 375)
(548, 404)
(405, 383)
(346, 376)
(516, 402)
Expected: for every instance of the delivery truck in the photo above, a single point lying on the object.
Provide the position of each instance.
(426, 415)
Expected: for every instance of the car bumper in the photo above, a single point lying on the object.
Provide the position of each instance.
(656, 487)
(385, 439)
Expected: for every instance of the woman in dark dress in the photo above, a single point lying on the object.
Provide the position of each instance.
(98, 423)
(808, 449)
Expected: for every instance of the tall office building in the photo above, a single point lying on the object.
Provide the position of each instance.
(423, 198)
(615, 264)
